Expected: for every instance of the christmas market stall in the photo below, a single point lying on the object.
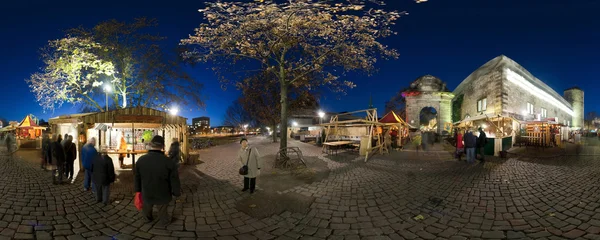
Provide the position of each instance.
(364, 134)
(396, 128)
(123, 133)
(501, 131)
(29, 133)
(543, 133)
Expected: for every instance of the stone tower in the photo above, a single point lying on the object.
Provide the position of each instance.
(574, 96)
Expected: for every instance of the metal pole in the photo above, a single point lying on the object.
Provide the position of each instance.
(106, 93)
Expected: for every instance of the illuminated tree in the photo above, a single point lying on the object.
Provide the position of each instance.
(72, 73)
(324, 39)
(145, 75)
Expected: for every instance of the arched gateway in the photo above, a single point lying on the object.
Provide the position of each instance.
(428, 92)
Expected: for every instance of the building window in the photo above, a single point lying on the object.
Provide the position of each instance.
(530, 108)
(544, 113)
(482, 105)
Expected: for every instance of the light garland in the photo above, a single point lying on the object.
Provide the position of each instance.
(526, 85)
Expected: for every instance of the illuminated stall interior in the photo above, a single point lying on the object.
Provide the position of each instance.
(501, 131)
(543, 133)
(124, 132)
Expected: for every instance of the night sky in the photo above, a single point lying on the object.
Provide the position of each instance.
(558, 41)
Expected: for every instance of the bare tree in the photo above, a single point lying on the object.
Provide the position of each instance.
(292, 40)
(237, 116)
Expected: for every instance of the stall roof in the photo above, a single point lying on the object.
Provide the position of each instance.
(29, 123)
(124, 115)
(484, 116)
(8, 128)
(391, 117)
(352, 123)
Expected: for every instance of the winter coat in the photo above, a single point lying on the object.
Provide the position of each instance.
(70, 151)
(255, 163)
(482, 139)
(103, 170)
(470, 140)
(88, 154)
(46, 150)
(459, 141)
(156, 177)
(175, 153)
(57, 153)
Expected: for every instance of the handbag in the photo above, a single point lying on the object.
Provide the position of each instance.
(244, 169)
(139, 203)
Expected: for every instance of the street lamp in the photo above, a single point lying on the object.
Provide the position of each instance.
(321, 115)
(174, 111)
(245, 129)
(107, 89)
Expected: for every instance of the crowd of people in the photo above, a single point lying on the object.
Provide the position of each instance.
(470, 144)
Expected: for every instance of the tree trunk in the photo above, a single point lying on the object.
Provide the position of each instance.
(274, 127)
(284, 121)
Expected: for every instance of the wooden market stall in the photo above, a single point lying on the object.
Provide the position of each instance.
(28, 129)
(396, 127)
(364, 133)
(543, 133)
(501, 131)
(124, 132)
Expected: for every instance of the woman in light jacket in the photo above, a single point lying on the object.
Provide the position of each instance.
(249, 156)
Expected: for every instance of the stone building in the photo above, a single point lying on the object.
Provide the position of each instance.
(503, 87)
(429, 92)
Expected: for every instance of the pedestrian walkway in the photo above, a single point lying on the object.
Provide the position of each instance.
(389, 197)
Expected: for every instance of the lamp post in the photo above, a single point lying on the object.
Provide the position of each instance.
(107, 89)
(321, 115)
(245, 129)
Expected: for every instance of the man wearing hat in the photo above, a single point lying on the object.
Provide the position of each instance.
(157, 179)
(248, 156)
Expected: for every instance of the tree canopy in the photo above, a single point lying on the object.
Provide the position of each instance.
(292, 40)
(127, 56)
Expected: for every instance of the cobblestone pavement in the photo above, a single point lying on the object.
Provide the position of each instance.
(389, 197)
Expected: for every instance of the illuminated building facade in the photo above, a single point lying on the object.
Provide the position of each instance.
(503, 87)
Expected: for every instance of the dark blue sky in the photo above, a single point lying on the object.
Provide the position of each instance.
(556, 40)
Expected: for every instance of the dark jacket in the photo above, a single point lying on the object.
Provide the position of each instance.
(482, 139)
(103, 170)
(88, 154)
(57, 153)
(156, 177)
(70, 151)
(46, 150)
(175, 152)
(470, 140)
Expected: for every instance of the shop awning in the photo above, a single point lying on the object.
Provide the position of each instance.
(392, 117)
(464, 122)
(8, 129)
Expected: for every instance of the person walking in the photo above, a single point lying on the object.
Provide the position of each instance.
(470, 144)
(157, 179)
(103, 173)
(58, 158)
(175, 152)
(71, 154)
(88, 154)
(249, 157)
(45, 155)
(481, 142)
(460, 145)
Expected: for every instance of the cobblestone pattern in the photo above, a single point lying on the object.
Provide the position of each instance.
(514, 199)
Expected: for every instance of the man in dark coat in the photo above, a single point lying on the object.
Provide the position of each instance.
(71, 154)
(481, 142)
(58, 157)
(470, 144)
(103, 174)
(157, 179)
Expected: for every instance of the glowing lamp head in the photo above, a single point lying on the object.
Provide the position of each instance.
(295, 124)
(321, 114)
(107, 88)
(174, 111)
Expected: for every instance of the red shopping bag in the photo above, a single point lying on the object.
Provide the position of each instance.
(138, 201)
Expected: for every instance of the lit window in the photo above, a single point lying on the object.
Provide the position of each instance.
(482, 105)
(544, 112)
(530, 108)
